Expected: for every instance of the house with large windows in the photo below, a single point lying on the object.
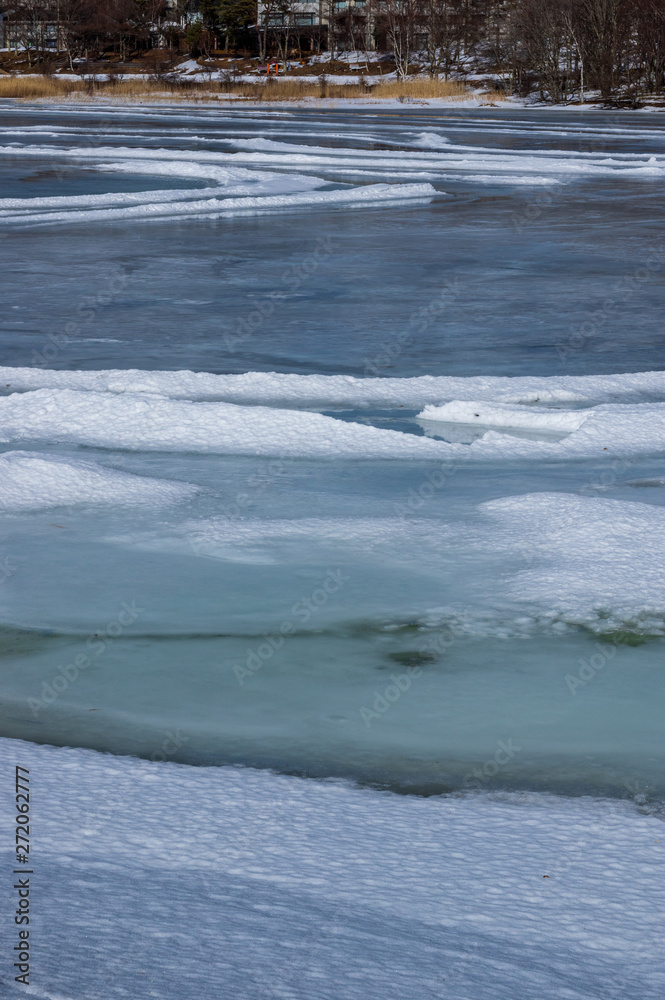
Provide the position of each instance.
(345, 25)
(30, 27)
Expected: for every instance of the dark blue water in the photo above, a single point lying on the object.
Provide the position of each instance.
(526, 265)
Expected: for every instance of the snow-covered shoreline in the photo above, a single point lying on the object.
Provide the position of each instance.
(325, 103)
(219, 99)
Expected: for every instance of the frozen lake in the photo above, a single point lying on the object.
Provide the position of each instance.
(323, 576)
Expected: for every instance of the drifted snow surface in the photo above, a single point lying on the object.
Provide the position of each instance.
(30, 481)
(166, 881)
(586, 555)
(145, 420)
(280, 389)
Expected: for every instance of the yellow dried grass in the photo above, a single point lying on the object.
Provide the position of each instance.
(135, 87)
(27, 87)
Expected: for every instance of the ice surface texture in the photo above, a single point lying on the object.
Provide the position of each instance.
(321, 391)
(222, 882)
(266, 175)
(151, 421)
(30, 481)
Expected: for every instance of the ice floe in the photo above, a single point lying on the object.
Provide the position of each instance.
(504, 415)
(212, 207)
(612, 430)
(564, 560)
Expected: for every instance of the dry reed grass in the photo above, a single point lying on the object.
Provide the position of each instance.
(36, 86)
(284, 89)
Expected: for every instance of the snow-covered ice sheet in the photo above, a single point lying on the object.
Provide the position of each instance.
(146, 422)
(150, 421)
(518, 163)
(624, 431)
(160, 880)
(212, 207)
(504, 415)
(32, 481)
(566, 560)
(235, 188)
(327, 391)
(262, 174)
(590, 559)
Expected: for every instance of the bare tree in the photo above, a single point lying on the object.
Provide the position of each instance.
(401, 20)
(543, 32)
(284, 17)
(440, 23)
(648, 46)
(265, 16)
(601, 23)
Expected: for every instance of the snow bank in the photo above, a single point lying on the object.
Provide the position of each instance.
(145, 422)
(328, 391)
(432, 140)
(30, 481)
(230, 882)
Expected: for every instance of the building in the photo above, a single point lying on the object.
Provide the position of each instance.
(30, 28)
(343, 25)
